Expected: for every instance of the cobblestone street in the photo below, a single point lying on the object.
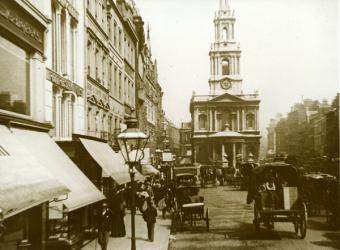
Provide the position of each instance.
(231, 228)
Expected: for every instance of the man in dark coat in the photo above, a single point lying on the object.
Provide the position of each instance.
(149, 216)
(104, 227)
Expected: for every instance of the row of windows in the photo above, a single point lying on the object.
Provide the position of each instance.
(203, 122)
(99, 121)
(150, 112)
(114, 32)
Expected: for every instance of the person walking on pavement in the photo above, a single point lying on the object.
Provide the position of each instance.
(104, 227)
(149, 216)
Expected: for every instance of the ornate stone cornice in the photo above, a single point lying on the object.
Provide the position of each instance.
(61, 81)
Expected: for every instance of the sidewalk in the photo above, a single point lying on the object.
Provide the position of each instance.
(162, 232)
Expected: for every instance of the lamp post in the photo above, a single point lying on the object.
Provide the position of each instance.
(132, 142)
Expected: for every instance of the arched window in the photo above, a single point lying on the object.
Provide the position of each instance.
(225, 67)
(250, 121)
(225, 34)
(202, 118)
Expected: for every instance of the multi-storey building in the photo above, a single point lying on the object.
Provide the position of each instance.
(149, 94)
(185, 139)
(226, 121)
(110, 59)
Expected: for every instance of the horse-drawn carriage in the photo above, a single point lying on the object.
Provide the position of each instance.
(189, 206)
(275, 188)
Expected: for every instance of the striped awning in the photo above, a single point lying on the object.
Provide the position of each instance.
(24, 181)
(112, 163)
(42, 146)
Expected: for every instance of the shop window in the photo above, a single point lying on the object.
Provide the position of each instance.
(14, 78)
(202, 121)
(250, 121)
(225, 67)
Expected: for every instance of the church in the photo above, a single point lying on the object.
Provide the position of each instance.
(225, 122)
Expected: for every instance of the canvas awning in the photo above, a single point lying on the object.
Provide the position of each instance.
(24, 182)
(42, 146)
(148, 169)
(111, 162)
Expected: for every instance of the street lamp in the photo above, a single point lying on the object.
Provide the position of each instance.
(132, 142)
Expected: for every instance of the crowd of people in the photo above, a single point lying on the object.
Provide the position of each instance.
(150, 195)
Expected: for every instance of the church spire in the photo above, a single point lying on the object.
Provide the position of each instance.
(224, 5)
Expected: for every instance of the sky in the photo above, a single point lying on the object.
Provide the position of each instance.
(290, 50)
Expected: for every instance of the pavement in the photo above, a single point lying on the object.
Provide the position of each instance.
(161, 240)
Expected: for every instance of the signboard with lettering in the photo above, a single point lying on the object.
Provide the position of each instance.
(167, 156)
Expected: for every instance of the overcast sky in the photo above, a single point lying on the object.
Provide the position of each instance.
(290, 50)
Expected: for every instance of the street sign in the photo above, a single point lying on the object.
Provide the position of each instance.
(167, 156)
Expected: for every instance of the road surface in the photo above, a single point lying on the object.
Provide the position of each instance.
(231, 228)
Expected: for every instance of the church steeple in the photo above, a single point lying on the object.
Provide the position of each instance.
(224, 5)
(225, 54)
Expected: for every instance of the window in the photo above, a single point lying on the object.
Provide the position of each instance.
(115, 34)
(73, 51)
(202, 119)
(225, 67)
(250, 121)
(110, 78)
(89, 57)
(120, 85)
(115, 78)
(14, 78)
(120, 41)
(225, 34)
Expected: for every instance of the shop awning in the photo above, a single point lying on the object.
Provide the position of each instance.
(83, 191)
(24, 182)
(111, 162)
(148, 169)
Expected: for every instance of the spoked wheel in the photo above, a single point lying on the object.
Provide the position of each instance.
(207, 219)
(303, 222)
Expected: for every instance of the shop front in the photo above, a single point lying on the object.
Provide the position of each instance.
(72, 216)
(26, 186)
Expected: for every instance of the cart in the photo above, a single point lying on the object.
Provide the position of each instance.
(277, 194)
(189, 207)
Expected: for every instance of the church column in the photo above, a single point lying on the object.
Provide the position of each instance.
(210, 120)
(234, 155)
(222, 151)
(257, 119)
(217, 66)
(237, 120)
(243, 120)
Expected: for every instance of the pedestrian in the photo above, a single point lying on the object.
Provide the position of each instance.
(118, 207)
(104, 226)
(149, 216)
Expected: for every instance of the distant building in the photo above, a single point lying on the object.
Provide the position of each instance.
(185, 139)
(171, 137)
(225, 121)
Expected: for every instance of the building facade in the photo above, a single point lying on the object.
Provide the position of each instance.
(307, 131)
(185, 139)
(225, 123)
(149, 95)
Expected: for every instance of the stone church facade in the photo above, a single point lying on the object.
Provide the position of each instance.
(225, 121)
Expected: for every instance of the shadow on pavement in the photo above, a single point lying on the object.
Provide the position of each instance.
(333, 242)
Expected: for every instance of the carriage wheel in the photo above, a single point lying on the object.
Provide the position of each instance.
(303, 222)
(207, 219)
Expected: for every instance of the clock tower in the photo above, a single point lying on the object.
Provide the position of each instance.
(225, 54)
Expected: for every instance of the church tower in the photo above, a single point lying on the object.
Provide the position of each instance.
(225, 54)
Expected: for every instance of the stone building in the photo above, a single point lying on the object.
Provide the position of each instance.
(149, 94)
(111, 43)
(171, 137)
(225, 122)
(185, 139)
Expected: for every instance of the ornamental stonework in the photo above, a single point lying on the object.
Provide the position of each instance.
(60, 81)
